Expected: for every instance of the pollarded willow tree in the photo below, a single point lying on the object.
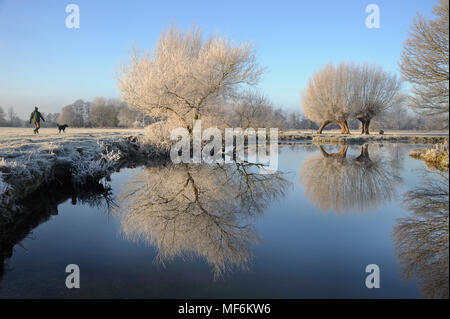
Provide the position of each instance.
(327, 98)
(425, 63)
(374, 91)
(335, 94)
(188, 77)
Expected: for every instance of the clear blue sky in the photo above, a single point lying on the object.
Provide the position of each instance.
(44, 63)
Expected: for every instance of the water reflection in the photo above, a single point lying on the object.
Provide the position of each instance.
(199, 211)
(210, 212)
(332, 181)
(421, 239)
(41, 206)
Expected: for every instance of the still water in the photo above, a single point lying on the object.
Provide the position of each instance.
(308, 231)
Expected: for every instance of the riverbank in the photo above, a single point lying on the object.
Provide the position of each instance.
(437, 157)
(334, 137)
(29, 162)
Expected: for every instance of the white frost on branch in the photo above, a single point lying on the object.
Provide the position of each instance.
(3, 185)
(83, 170)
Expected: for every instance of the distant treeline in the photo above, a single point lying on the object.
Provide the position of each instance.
(103, 112)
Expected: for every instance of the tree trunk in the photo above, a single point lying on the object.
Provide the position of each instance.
(344, 127)
(322, 126)
(365, 125)
(362, 124)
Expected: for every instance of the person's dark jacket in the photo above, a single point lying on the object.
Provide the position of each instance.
(36, 117)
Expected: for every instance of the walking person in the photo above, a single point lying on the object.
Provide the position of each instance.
(36, 117)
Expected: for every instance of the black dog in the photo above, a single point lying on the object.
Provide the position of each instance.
(62, 127)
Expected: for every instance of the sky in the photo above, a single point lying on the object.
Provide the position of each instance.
(44, 63)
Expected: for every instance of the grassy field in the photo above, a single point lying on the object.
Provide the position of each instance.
(14, 141)
(19, 143)
(8, 134)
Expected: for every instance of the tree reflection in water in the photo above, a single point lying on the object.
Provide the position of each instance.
(335, 182)
(421, 239)
(199, 211)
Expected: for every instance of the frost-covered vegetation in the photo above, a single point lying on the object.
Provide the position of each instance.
(3, 185)
(189, 77)
(425, 64)
(335, 137)
(28, 162)
(436, 157)
(336, 94)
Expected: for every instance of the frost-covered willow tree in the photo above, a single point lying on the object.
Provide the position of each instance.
(374, 91)
(361, 91)
(327, 98)
(425, 63)
(187, 77)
